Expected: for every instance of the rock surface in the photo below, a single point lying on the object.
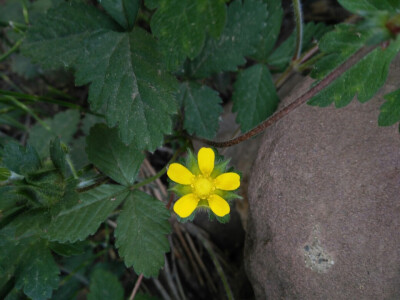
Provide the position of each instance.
(324, 204)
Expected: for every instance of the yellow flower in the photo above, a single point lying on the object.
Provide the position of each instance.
(203, 188)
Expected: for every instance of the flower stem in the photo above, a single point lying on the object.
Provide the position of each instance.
(298, 14)
(299, 101)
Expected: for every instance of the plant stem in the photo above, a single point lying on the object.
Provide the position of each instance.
(299, 28)
(299, 101)
(27, 110)
(34, 98)
(11, 50)
(136, 287)
(71, 166)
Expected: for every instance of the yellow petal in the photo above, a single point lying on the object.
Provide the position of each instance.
(180, 174)
(227, 181)
(206, 159)
(185, 206)
(218, 205)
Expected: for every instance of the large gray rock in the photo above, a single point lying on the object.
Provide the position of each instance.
(324, 205)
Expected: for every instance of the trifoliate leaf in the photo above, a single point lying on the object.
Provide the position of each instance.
(141, 233)
(181, 26)
(270, 32)
(58, 39)
(358, 7)
(128, 81)
(62, 125)
(364, 79)
(202, 109)
(115, 159)
(83, 219)
(254, 96)
(282, 55)
(122, 11)
(19, 159)
(338, 45)
(37, 274)
(105, 285)
(390, 110)
(242, 31)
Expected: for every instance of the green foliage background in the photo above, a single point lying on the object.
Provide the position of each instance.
(152, 69)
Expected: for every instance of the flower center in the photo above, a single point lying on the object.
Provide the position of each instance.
(203, 186)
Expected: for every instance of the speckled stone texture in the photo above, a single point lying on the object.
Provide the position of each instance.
(324, 204)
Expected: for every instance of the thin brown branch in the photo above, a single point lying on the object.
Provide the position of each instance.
(136, 287)
(299, 101)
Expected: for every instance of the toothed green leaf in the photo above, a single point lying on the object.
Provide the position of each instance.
(83, 219)
(181, 26)
(390, 110)
(202, 109)
(242, 32)
(254, 96)
(115, 159)
(141, 233)
(363, 80)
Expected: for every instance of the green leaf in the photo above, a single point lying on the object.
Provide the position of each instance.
(83, 219)
(62, 125)
(89, 121)
(282, 55)
(105, 285)
(46, 187)
(202, 109)
(58, 39)
(254, 96)
(10, 198)
(68, 249)
(115, 159)
(4, 174)
(359, 7)
(128, 78)
(270, 32)
(57, 155)
(390, 110)
(244, 24)
(141, 233)
(122, 11)
(364, 79)
(181, 26)
(338, 45)
(19, 159)
(37, 273)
